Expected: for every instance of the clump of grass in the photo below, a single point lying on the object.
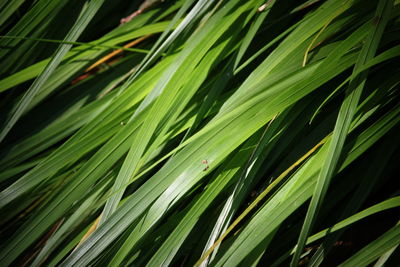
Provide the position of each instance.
(217, 133)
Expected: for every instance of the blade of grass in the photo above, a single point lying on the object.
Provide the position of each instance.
(83, 44)
(382, 260)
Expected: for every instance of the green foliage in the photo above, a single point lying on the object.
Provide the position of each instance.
(217, 133)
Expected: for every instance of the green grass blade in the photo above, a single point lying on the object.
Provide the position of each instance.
(92, 45)
(382, 260)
